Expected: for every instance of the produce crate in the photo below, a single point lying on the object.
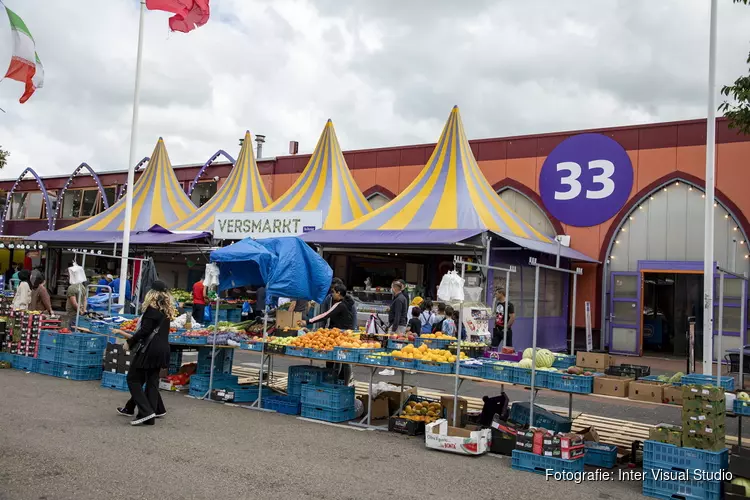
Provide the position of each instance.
(83, 342)
(298, 375)
(333, 397)
(81, 358)
(23, 363)
(288, 405)
(293, 350)
(600, 454)
(351, 355)
(563, 361)
(433, 343)
(398, 344)
(669, 456)
(683, 490)
(522, 376)
(247, 393)
(501, 373)
(202, 340)
(519, 413)
(50, 353)
(580, 384)
(698, 379)
(405, 426)
(316, 353)
(407, 363)
(75, 372)
(625, 370)
(222, 362)
(50, 368)
(538, 464)
(655, 378)
(251, 346)
(472, 352)
(175, 338)
(327, 414)
(221, 380)
(435, 367)
(234, 315)
(116, 381)
(741, 409)
(471, 369)
(50, 338)
(276, 348)
(369, 359)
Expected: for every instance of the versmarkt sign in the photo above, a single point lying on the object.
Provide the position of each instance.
(259, 225)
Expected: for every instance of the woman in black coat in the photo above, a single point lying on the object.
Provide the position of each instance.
(340, 314)
(151, 340)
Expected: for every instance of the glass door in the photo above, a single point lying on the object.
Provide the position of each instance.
(625, 314)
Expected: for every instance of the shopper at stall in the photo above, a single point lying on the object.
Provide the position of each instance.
(500, 318)
(397, 313)
(416, 303)
(14, 278)
(449, 324)
(339, 315)
(115, 284)
(328, 302)
(23, 293)
(437, 322)
(105, 283)
(40, 300)
(414, 325)
(199, 301)
(426, 316)
(260, 302)
(37, 276)
(151, 345)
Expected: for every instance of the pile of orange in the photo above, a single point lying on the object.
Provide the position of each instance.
(328, 339)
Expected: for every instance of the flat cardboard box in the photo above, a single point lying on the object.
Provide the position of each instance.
(666, 433)
(597, 361)
(589, 434)
(288, 318)
(673, 395)
(379, 406)
(610, 385)
(643, 390)
(440, 436)
(463, 407)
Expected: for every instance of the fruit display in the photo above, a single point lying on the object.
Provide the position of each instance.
(279, 340)
(424, 353)
(544, 357)
(467, 344)
(671, 379)
(181, 295)
(129, 325)
(326, 340)
(422, 412)
(437, 335)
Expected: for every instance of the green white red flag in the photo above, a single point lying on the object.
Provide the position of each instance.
(25, 65)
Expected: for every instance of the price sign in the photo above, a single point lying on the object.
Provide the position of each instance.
(586, 180)
(589, 336)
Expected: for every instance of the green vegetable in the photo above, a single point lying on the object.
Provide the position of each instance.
(676, 377)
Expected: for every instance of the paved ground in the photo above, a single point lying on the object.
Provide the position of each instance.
(62, 440)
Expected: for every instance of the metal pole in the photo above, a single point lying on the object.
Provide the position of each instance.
(458, 353)
(533, 343)
(559, 249)
(505, 310)
(131, 159)
(708, 246)
(213, 349)
(573, 320)
(719, 352)
(259, 402)
(743, 334)
(137, 288)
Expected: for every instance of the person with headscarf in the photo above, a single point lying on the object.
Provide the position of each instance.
(23, 293)
(416, 303)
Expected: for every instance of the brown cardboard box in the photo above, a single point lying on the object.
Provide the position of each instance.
(394, 401)
(597, 361)
(646, 390)
(463, 407)
(288, 318)
(379, 406)
(673, 395)
(589, 434)
(609, 385)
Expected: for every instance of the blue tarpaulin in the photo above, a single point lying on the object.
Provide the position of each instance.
(287, 267)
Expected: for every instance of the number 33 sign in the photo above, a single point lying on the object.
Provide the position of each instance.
(586, 180)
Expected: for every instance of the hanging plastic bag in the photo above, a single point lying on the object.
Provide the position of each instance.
(207, 316)
(77, 274)
(212, 275)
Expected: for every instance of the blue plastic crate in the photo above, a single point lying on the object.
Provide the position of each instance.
(370, 359)
(600, 454)
(50, 368)
(669, 456)
(471, 369)
(407, 363)
(538, 464)
(328, 396)
(251, 346)
(655, 378)
(83, 342)
(23, 363)
(175, 338)
(519, 413)
(50, 353)
(4, 356)
(293, 350)
(80, 358)
(73, 372)
(328, 415)
(247, 393)
(50, 338)
(398, 344)
(222, 362)
(742, 407)
(433, 343)
(307, 374)
(315, 353)
(196, 393)
(564, 361)
(698, 379)
(116, 381)
(522, 376)
(580, 384)
(351, 355)
(221, 381)
(288, 405)
(501, 373)
(682, 490)
(435, 367)
(234, 315)
(202, 340)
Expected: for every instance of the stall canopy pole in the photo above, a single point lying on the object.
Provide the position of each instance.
(213, 348)
(743, 332)
(719, 351)
(259, 402)
(505, 308)
(573, 319)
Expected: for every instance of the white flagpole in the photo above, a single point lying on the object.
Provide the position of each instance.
(708, 250)
(131, 164)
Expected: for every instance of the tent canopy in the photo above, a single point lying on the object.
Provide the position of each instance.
(287, 267)
(158, 198)
(327, 185)
(155, 235)
(243, 191)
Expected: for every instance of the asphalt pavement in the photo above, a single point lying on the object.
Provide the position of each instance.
(63, 440)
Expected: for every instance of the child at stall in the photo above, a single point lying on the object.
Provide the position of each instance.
(449, 325)
(415, 325)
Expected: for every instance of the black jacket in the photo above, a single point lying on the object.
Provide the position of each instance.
(399, 307)
(328, 303)
(341, 316)
(156, 354)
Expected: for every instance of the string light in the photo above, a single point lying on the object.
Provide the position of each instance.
(640, 207)
(677, 183)
(726, 216)
(652, 198)
(617, 242)
(631, 217)
(690, 188)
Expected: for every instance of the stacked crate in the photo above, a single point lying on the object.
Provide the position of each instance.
(222, 362)
(672, 471)
(117, 361)
(332, 403)
(74, 356)
(703, 417)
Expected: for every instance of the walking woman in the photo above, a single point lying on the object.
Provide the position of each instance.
(151, 344)
(23, 293)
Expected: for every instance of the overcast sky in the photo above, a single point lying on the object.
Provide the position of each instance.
(386, 71)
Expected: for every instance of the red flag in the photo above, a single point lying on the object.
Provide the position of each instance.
(188, 14)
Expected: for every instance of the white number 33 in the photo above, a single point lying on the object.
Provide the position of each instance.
(603, 179)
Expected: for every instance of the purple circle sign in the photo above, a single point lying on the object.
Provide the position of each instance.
(586, 180)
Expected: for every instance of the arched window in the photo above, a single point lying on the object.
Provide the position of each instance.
(377, 200)
(527, 210)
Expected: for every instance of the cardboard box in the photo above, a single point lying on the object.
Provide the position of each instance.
(673, 395)
(710, 443)
(405, 426)
(610, 385)
(666, 433)
(379, 406)
(589, 434)
(597, 361)
(702, 392)
(463, 407)
(503, 438)
(124, 360)
(440, 436)
(700, 406)
(395, 401)
(288, 318)
(644, 390)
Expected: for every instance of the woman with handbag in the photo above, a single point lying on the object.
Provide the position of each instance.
(151, 345)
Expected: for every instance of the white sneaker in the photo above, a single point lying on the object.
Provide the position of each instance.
(387, 372)
(143, 420)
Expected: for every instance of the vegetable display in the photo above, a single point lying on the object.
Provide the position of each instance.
(544, 358)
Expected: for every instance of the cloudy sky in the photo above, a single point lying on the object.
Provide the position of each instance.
(386, 71)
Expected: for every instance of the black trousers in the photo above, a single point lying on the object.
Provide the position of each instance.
(160, 408)
(198, 311)
(497, 337)
(147, 402)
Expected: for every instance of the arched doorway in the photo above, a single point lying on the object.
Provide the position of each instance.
(653, 275)
(527, 210)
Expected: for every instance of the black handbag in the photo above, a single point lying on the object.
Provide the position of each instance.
(142, 345)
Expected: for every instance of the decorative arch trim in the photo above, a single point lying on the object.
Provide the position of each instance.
(98, 182)
(378, 189)
(200, 173)
(137, 167)
(513, 184)
(42, 188)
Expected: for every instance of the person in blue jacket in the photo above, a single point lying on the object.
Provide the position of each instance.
(106, 281)
(116, 287)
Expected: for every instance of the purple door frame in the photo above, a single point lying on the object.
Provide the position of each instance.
(638, 350)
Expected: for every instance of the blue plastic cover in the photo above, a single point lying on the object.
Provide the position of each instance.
(288, 267)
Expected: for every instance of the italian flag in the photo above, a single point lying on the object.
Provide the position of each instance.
(25, 65)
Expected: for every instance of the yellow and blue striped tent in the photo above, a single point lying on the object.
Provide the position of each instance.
(450, 193)
(158, 199)
(327, 185)
(243, 191)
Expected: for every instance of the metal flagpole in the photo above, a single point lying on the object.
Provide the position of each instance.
(708, 247)
(131, 162)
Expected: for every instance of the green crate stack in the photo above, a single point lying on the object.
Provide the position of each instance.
(703, 417)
